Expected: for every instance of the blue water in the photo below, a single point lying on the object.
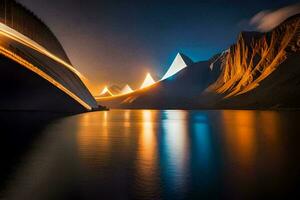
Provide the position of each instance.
(148, 154)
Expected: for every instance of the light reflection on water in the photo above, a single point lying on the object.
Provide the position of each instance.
(148, 154)
(240, 139)
(146, 161)
(174, 152)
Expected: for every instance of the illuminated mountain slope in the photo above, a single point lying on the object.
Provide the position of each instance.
(262, 70)
(281, 89)
(253, 59)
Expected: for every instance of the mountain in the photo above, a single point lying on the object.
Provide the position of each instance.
(181, 61)
(148, 81)
(110, 91)
(259, 71)
(127, 89)
(181, 89)
(105, 92)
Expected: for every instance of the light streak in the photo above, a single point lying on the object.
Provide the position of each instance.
(36, 70)
(19, 37)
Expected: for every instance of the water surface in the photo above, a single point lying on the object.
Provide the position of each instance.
(149, 154)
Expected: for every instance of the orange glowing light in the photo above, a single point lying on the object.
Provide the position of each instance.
(127, 89)
(244, 67)
(106, 91)
(36, 70)
(148, 81)
(147, 146)
(240, 129)
(19, 37)
(92, 138)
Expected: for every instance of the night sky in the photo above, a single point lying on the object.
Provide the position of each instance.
(117, 43)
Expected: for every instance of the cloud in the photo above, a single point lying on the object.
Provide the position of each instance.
(267, 20)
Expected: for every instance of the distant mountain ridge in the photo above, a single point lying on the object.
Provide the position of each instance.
(260, 71)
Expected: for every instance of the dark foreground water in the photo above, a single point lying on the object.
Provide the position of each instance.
(147, 154)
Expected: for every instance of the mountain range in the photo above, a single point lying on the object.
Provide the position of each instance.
(259, 71)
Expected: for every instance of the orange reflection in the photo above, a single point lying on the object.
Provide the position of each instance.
(126, 119)
(240, 135)
(250, 137)
(92, 137)
(271, 129)
(147, 154)
(245, 129)
(270, 125)
(147, 137)
(147, 143)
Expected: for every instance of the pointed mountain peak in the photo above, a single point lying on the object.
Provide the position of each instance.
(181, 61)
(148, 81)
(105, 89)
(127, 89)
(185, 58)
(106, 92)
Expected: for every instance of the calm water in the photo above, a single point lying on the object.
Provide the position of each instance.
(147, 154)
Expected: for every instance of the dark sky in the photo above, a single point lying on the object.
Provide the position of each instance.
(118, 42)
